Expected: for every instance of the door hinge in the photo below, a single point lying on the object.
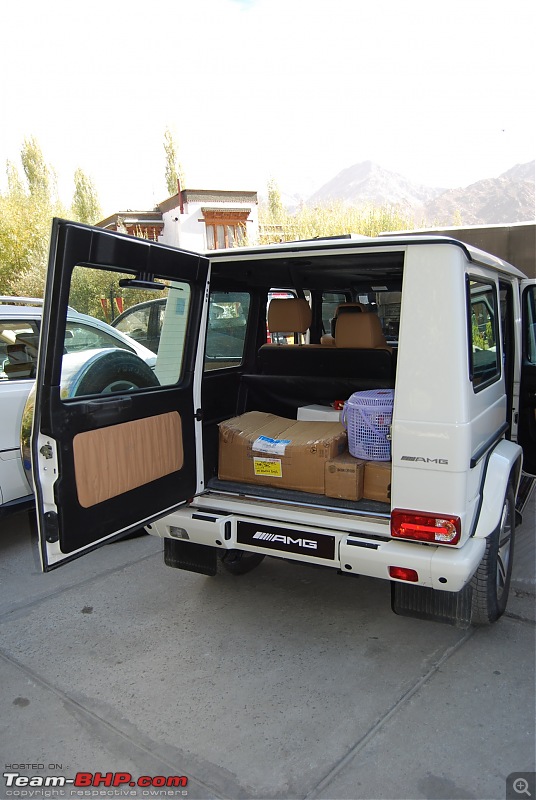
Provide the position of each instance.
(199, 415)
(51, 526)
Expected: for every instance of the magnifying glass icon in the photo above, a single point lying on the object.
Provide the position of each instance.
(521, 786)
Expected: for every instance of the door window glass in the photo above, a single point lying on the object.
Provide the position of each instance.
(529, 319)
(485, 365)
(100, 358)
(226, 333)
(330, 302)
(19, 342)
(79, 336)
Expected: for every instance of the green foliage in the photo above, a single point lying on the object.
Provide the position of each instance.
(85, 206)
(483, 338)
(276, 212)
(94, 292)
(174, 169)
(26, 212)
(39, 175)
(335, 219)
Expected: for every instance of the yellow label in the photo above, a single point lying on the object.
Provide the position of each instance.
(267, 466)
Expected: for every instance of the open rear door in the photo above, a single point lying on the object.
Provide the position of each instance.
(116, 438)
(527, 394)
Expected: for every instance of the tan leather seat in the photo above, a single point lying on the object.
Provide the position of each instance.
(289, 316)
(328, 339)
(363, 331)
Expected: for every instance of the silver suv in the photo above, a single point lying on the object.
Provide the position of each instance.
(20, 324)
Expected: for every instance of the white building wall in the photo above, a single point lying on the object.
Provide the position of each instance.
(188, 231)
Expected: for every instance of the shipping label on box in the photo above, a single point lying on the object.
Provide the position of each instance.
(265, 449)
(377, 484)
(268, 466)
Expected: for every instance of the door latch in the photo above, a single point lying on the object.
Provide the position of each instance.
(46, 451)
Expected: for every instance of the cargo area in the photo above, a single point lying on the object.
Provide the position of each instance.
(309, 346)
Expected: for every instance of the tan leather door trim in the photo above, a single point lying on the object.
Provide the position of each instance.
(113, 460)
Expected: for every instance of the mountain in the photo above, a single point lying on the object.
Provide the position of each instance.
(506, 198)
(369, 183)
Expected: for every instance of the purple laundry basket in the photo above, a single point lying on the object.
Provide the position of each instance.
(367, 417)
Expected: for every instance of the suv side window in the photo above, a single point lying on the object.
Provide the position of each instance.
(226, 333)
(330, 303)
(81, 337)
(530, 316)
(484, 350)
(19, 341)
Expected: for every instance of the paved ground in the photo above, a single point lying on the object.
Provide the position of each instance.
(290, 682)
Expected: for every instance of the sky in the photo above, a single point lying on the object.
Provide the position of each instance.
(252, 90)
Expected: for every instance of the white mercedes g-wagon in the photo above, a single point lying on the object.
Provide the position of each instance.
(235, 452)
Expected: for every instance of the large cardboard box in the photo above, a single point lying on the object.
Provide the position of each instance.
(344, 477)
(377, 484)
(273, 451)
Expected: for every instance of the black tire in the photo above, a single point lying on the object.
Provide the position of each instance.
(238, 562)
(491, 581)
(116, 371)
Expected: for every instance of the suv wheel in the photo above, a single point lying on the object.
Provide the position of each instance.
(238, 562)
(491, 582)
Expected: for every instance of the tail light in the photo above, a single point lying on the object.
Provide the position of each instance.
(424, 527)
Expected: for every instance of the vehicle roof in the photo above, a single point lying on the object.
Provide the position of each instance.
(377, 244)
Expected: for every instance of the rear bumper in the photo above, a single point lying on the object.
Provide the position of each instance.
(369, 551)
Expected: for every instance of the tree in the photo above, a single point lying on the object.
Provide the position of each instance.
(310, 222)
(39, 176)
(275, 204)
(174, 171)
(85, 206)
(26, 210)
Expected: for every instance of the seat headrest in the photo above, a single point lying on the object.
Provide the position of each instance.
(360, 331)
(345, 308)
(292, 315)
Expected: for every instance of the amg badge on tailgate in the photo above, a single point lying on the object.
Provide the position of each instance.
(312, 544)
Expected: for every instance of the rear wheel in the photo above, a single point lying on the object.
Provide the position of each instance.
(491, 582)
(238, 562)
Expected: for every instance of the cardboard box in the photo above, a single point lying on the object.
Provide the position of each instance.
(273, 451)
(317, 413)
(377, 484)
(344, 477)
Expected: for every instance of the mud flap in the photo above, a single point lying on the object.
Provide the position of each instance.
(192, 557)
(452, 608)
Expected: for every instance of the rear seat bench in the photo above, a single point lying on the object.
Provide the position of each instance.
(291, 376)
(284, 394)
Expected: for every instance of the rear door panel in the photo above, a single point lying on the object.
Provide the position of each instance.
(106, 463)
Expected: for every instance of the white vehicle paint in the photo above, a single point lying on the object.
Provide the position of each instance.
(458, 325)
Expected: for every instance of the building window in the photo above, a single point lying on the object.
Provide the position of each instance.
(225, 227)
